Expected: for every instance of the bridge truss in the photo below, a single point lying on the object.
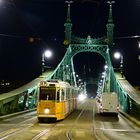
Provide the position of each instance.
(65, 69)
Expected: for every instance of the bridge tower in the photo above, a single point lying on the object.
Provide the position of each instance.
(110, 25)
(75, 45)
(68, 25)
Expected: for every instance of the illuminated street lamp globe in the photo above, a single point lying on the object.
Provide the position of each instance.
(117, 55)
(48, 53)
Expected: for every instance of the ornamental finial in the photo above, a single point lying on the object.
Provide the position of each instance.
(110, 2)
(69, 2)
(68, 12)
(110, 19)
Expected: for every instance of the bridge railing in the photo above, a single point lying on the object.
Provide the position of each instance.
(22, 98)
(16, 100)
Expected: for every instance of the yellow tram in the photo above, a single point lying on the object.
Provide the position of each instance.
(56, 100)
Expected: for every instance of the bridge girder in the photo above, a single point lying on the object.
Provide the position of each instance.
(65, 70)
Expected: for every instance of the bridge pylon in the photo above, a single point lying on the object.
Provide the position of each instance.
(65, 70)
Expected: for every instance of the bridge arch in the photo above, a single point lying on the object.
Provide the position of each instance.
(103, 50)
(65, 70)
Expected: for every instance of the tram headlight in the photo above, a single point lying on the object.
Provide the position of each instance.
(46, 111)
(81, 97)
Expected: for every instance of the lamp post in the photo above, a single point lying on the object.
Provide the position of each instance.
(118, 55)
(46, 54)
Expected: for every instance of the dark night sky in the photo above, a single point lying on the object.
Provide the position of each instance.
(44, 20)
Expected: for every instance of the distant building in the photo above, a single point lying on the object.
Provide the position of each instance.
(4, 86)
(9, 85)
(4, 83)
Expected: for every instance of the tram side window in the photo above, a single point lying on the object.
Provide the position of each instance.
(70, 93)
(58, 95)
(62, 95)
(67, 93)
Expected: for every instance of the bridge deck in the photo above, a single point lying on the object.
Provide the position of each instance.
(25, 87)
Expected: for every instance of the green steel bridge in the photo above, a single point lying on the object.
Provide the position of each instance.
(26, 96)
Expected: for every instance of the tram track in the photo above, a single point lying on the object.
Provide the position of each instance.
(43, 133)
(81, 124)
(68, 133)
(71, 132)
(19, 132)
(12, 133)
(24, 127)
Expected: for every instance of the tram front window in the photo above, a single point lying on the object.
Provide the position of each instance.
(47, 94)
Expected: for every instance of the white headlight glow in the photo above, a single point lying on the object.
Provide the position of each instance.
(46, 111)
(81, 97)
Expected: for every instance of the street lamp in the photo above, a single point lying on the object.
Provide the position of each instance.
(105, 67)
(139, 48)
(46, 54)
(139, 44)
(118, 55)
